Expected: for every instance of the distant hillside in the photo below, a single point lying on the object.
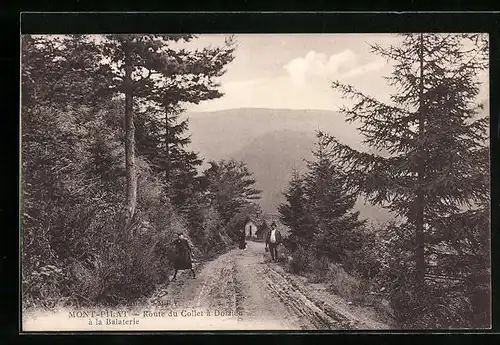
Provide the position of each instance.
(273, 142)
(273, 157)
(222, 133)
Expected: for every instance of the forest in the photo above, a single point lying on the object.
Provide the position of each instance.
(108, 178)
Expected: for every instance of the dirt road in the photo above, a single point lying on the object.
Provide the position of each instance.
(243, 290)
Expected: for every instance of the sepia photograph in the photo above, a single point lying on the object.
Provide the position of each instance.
(232, 182)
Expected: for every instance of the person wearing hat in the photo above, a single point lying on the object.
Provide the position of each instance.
(273, 239)
(183, 254)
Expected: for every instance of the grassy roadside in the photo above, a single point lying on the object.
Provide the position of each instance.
(330, 281)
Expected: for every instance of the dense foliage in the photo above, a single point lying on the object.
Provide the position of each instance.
(230, 186)
(91, 130)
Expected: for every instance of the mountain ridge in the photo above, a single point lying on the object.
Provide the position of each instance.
(272, 142)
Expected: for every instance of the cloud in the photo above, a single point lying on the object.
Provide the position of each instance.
(343, 60)
(243, 84)
(275, 92)
(371, 66)
(306, 85)
(341, 65)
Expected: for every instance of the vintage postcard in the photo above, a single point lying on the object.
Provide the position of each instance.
(255, 182)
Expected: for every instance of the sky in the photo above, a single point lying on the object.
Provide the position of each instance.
(295, 71)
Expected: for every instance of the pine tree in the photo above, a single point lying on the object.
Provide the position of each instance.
(188, 77)
(295, 213)
(145, 69)
(331, 206)
(437, 166)
(131, 61)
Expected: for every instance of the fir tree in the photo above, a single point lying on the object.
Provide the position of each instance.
(331, 206)
(295, 213)
(61, 89)
(437, 166)
(54, 65)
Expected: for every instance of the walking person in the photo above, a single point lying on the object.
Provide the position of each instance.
(183, 255)
(242, 241)
(273, 239)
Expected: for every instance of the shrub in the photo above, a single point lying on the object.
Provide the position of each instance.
(342, 283)
(300, 260)
(95, 260)
(366, 260)
(290, 244)
(320, 269)
(123, 272)
(444, 305)
(45, 286)
(122, 269)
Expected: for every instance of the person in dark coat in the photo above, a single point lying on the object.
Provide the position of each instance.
(273, 239)
(183, 255)
(242, 242)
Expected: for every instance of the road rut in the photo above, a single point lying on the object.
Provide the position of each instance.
(243, 290)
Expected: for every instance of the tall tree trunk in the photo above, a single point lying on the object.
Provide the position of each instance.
(419, 207)
(167, 147)
(130, 140)
(167, 155)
